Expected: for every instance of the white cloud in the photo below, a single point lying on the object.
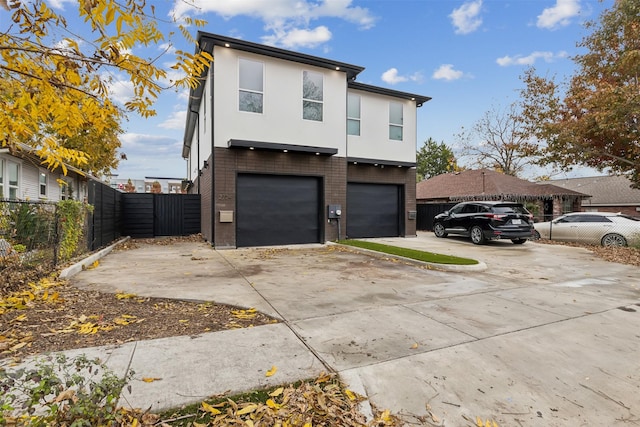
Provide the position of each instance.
(530, 59)
(147, 154)
(392, 77)
(299, 37)
(176, 120)
(59, 4)
(466, 18)
(559, 15)
(121, 90)
(447, 72)
(288, 19)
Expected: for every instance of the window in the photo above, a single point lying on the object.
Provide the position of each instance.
(42, 184)
(251, 86)
(395, 121)
(312, 98)
(353, 115)
(66, 189)
(14, 179)
(1, 179)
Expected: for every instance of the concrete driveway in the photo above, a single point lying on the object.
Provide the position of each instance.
(545, 336)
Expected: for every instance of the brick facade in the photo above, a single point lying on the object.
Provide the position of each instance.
(225, 165)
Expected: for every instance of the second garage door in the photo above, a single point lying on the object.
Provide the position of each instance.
(373, 210)
(277, 210)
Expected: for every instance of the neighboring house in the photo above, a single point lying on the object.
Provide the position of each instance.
(146, 185)
(24, 177)
(608, 193)
(545, 201)
(285, 147)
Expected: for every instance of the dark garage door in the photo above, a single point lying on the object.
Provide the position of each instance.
(373, 210)
(277, 210)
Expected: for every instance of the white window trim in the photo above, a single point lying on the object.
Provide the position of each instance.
(355, 119)
(2, 180)
(397, 125)
(313, 100)
(252, 90)
(16, 187)
(42, 173)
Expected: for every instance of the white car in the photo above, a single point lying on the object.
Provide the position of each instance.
(598, 228)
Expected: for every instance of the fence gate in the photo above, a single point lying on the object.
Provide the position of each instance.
(150, 215)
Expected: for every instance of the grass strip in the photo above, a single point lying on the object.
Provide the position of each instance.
(410, 253)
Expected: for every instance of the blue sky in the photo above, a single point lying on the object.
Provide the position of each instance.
(467, 55)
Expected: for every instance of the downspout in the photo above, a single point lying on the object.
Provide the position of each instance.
(197, 146)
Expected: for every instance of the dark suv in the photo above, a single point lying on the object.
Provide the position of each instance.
(486, 220)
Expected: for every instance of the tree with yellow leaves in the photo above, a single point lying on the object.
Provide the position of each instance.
(55, 90)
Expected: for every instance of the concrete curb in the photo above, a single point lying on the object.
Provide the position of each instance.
(85, 263)
(480, 266)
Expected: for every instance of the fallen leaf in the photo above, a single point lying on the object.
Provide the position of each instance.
(351, 395)
(247, 409)
(271, 371)
(150, 379)
(414, 346)
(277, 392)
(210, 409)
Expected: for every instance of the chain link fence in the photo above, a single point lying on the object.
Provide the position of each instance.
(35, 237)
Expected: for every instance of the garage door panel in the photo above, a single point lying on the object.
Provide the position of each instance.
(373, 210)
(277, 210)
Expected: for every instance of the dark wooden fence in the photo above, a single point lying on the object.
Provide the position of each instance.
(105, 223)
(151, 215)
(428, 211)
(139, 215)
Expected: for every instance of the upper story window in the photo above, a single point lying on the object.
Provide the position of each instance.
(14, 179)
(395, 121)
(251, 82)
(353, 114)
(312, 97)
(42, 184)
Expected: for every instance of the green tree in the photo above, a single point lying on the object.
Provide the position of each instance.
(55, 84)
(499, 141)
(593, 119)
(434, 159)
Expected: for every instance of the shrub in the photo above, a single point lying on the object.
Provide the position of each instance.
(61, 391)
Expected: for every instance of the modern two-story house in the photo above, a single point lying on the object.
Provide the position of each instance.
(287, 148)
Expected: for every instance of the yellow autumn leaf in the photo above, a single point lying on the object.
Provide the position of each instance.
(277, 392)
(20, 318)
(247, 409)
(271, 371)
(150, 379)
(351, 395)
(18, 346)
(479, 422)
(386, 415)
(124, 295)
(414, 346)
(210, 409)
(272, 404)
(249, 423)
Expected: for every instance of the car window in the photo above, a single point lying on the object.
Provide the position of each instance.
(456, 209)
(594, 218)
(510, 209)
(470, 209)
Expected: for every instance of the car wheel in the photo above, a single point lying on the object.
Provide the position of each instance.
(535, 235)
(613, 240)
(438, 230)
(518, 241)
(477, 235)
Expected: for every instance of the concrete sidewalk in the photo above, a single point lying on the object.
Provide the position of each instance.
(546, 336)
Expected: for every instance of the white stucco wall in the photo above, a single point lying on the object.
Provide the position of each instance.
(281, 121)
(374, 142)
